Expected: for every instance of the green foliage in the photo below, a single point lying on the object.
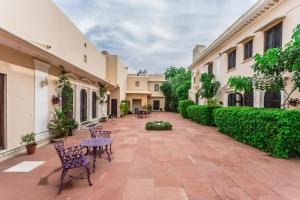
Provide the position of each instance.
(275, 131)
(65, 86)
(29, 138)
(271, 68)
(241, 83)
(176, 88)
(209, 86)
(59, 125)
(183, 106)
(102, 92)
(202, 114)
(158, 125)
(213, 102)
(124, 107)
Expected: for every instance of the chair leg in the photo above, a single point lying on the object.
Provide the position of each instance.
(110, 149)
(88, 175)
(63, 174)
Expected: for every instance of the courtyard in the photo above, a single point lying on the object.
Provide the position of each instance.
(191, 162)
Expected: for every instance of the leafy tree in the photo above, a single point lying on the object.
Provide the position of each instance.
(176, 88)
(271, 68)
(209, 86)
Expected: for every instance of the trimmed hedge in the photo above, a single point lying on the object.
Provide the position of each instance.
(183, 106)
(202, 114)
(158, 125)
(274, 131)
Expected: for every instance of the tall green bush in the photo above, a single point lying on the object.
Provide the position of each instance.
(202, 114)
(183, 106)
(274, 131)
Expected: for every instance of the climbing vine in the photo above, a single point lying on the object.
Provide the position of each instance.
(66, 93)
(102, 92)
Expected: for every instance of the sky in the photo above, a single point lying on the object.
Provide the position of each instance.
(153, 34)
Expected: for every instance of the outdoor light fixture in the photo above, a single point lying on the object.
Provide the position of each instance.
(44, 82)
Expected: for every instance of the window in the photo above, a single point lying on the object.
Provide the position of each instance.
(156, 87)
(210, 68)
(137, 84)
(85, 45)
(273, 37)
(248, 50)
(272, 99)
(231, 60)
(235, 99)
(249, 99)
(85, 58)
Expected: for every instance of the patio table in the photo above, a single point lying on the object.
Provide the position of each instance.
(95, 143)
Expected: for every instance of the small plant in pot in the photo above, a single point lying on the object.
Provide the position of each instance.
(72, 125)
(58, 126)
(29, 140)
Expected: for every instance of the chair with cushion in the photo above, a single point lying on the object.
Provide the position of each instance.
(71, 158)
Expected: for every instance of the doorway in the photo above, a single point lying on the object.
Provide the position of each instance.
(2, 110)
(136, 104)
(156, 105)
(83, 105)
(94, 105)
(114, 107)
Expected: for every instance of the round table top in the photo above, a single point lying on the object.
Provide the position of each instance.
(96, 142)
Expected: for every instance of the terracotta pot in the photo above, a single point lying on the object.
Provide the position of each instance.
(30, 148)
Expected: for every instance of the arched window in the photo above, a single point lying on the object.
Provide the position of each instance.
(235, 99)
(94, 105)
(249, 99)
(272, 99)
(83, 106)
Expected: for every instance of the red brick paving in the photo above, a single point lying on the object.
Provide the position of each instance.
(191, 162)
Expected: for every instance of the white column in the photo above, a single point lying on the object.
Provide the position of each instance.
(41, 99)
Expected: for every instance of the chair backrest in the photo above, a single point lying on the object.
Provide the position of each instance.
(59, 147)
(94, 130)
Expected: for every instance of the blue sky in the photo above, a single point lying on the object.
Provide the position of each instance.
(153, 34)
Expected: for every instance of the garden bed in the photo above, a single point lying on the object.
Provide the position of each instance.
(158, 125)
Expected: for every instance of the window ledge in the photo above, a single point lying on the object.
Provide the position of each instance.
(230, 70)
(247, 60)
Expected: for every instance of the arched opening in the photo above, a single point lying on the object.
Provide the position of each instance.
(83, 105)
(272, 99)
(235, 99)
(249, 99)
(94, 105)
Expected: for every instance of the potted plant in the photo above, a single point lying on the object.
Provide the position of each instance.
(293, 102)
(55, 100)
(102, 119)
(29, 140)
(72, 125)
(58, 126)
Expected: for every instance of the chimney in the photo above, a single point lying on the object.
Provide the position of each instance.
(197, 51)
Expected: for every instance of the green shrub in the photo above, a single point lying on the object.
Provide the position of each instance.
(274, 131)
(183, 105)
(158, 125)
(202, 114)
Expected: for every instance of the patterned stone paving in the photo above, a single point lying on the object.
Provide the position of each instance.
(191, 162)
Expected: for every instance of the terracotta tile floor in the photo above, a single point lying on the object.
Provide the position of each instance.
(191, 162)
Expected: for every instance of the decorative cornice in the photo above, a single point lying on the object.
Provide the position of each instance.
(245, 20)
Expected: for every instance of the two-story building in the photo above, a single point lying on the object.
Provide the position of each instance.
(143, 89)
(36, 38)
(268, 24)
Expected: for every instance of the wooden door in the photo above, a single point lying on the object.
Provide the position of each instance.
(2, 99)
(83, 106)
(114, 107)
(156, 105)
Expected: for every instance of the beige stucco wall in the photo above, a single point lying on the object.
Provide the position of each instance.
(19, 72)
(288, 8)
(160, 99)
(143, 83)
(151, 85)
(143, 97)
(42, 23)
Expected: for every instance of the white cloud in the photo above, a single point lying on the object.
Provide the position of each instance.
(153, 34)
